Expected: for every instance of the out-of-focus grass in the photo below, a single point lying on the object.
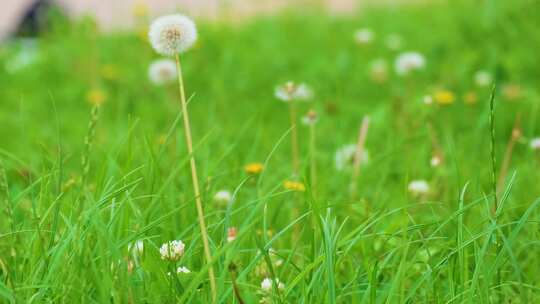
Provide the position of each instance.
(64, 238)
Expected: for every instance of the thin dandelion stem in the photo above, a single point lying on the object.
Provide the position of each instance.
(359, 154)
(294, 140)
(195, 181)
(313, 159)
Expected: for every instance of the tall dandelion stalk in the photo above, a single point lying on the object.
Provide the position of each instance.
(360, 148)
(170, 36)
(292, 93)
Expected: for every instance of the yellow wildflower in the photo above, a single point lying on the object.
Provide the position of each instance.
(254, 168)
(294, 186)
(96, 97)
(444, 97)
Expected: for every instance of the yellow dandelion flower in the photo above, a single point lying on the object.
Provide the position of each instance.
(96, 97)
(254, 168)
(294, 186)
(444, 97)
(470, 98)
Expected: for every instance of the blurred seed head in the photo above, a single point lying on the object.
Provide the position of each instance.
(223, 197)
(409, 62)
(364, 36)
(162, 71)
(345, 157)
(482, 78)
(535, 143)
(291, 91)
(418, 187)
(173, 34)
(310, 118)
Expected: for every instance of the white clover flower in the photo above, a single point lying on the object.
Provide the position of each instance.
(266, 284)
(393, 42)
(310, 118)
(364, 36)
(483, 78)
(408, 62)
(136, 248)
(378, 70)
(183, 269)
(172, 250)
(173, 34)
(162, 71)
(345, 157)
(291, 91)
(223, 197)
(535, 143)
(418, 187)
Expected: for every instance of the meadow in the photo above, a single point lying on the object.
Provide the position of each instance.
(95, 173)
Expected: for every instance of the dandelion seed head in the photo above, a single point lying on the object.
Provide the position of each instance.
(482, 78)
(173, 34)
(310, 118)
(291, 91)
(266, 284)
(418, 187)
(345, 157)
(162, 71)
(535, 143)
(408, 62)
(223, 197)
(364, 36)
(172, 251)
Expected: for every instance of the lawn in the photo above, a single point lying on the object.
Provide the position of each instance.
(443, 208)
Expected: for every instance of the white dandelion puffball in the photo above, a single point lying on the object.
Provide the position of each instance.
(345, 157)
(535, 143)
(393, 42)
(173, 34)
(162, 71)
(291, 91)
(136, 248)
(482, 78)
(223, 197)
(418, 187)
(183, 269)
(266, 284)
(364, 36)
(172, 250)
(409, 62)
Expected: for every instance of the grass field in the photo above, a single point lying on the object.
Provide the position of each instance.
(93, 162)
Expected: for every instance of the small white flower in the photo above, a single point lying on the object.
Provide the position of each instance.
(266, 284)
(364, 36)
(136, 248)
(162, 71)
(183, 269)
(394, 42)
(345, 157)
(418, 187)
(172, 250)
(408, 62)
(291, 91)
(173, 34)
(223, 197)
(482, 78)
(535, 143)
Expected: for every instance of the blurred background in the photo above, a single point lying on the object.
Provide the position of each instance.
(121, 13)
